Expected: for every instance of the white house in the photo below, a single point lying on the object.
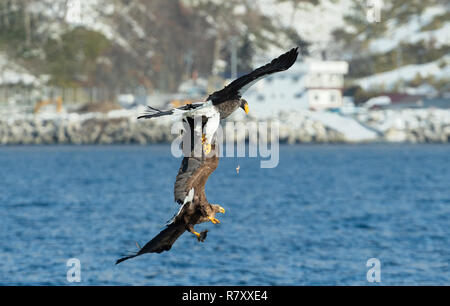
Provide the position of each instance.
(324, 83)
(313, 85)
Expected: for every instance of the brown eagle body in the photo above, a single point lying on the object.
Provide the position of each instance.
(189, 191)
(226, 109)
(195, 169)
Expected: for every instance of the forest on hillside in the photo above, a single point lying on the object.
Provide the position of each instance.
(407, 33)
(123, 43)
(157, 44)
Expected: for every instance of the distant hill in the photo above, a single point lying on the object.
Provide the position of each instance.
(158, 44)
(409, 46)
(155, 44)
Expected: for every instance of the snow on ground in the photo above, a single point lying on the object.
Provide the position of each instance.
(88, 13)
(407, 73)
(12, 73)
(410, 32)
(349, 127)
(313, 23)
(415, 125)
(403, 119)
(17, 113)
(352, 130)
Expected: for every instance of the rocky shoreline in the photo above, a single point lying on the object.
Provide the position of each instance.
(410, 125)
(121, 127)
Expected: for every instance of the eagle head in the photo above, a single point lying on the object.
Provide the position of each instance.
(217, 208)
(244, 106)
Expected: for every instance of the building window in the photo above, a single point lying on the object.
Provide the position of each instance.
(298, 95)
(332, 97)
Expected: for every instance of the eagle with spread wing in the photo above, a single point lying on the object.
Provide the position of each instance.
(189, 189)
(189, 192)
(222, 103)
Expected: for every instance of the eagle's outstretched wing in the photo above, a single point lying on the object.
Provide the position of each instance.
(236, 89)
(162, 242)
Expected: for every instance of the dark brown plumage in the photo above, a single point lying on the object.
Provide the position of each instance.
(189, 192)
(226, 109)
(193, 173)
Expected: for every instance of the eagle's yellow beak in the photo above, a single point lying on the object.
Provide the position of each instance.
(222, 210)
(246, 109)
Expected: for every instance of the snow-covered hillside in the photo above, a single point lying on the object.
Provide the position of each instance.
(134, 41)
(408, 43)
(12, 73)
(413, 31)
(439, 69)
(315, 24)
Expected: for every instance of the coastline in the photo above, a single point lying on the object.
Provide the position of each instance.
(121, 127)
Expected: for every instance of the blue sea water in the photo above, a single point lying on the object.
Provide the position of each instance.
(314, 220)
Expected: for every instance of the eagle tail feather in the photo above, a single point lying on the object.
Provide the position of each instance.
(152, 112)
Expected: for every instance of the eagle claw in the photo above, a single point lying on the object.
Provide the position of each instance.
(214, 220)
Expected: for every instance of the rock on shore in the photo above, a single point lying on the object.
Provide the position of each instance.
(122, 127)
(410, 125)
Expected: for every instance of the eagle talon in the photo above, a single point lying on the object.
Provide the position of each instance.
(214, 220)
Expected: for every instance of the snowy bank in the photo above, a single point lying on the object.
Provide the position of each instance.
(122, 127)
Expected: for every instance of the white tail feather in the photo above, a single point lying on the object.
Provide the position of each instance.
(189, 197)
(187, 200)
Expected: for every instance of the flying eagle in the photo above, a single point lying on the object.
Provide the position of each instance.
(189, 192)
(189, 189)
(222, 103)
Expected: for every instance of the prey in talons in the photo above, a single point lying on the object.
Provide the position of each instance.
(200, 236)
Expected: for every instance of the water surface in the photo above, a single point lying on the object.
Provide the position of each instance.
(314, 220)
